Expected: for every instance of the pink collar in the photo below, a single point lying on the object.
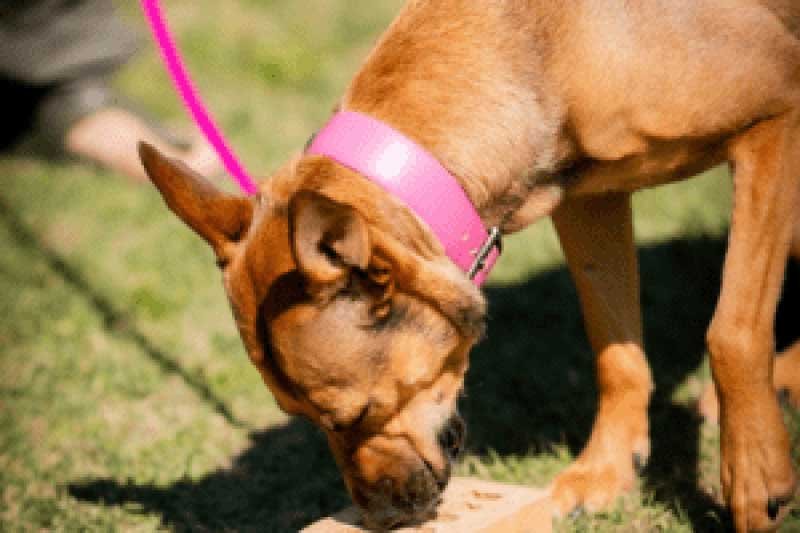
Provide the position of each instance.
(412, 174)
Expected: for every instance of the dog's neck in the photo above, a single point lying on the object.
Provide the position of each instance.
(470, 93)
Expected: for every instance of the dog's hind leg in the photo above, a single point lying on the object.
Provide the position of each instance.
(787, 363)
(756, 468)
(596, 233)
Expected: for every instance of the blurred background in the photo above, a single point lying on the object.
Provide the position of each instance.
(126, 399)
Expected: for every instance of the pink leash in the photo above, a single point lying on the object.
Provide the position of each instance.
(191, 98)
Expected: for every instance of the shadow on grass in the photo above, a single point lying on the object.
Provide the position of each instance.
(115, 320)
(530, 387)
(282, 482)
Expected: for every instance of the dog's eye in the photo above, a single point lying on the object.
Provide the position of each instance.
(354, 282)
(386, 315)
(382, 315)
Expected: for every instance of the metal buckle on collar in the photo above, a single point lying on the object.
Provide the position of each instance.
(492, 241)
(309, 141)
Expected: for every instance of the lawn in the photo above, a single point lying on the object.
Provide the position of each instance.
(127, 402)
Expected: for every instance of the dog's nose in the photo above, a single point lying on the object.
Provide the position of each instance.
(451, 437)
(386, 504)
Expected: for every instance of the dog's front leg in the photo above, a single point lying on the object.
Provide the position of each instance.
(756, 470)
(596, 233)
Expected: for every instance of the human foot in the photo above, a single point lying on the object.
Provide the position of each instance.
(109, 137)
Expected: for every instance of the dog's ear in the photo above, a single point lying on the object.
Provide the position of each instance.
(329, 239)
(220, 218)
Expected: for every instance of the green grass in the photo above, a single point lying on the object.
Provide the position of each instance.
(127, 402)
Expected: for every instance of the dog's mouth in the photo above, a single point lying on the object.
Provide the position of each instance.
(388, 504)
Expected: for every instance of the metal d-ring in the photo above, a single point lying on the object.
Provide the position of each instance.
(492, 241)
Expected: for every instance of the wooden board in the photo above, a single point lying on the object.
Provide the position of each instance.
(469, 505)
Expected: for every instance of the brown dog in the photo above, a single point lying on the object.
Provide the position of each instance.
(356, 319)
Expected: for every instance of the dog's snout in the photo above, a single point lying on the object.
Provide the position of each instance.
(451, 437)
(387, 504)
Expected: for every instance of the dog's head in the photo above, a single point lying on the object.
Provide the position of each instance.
(353, 315)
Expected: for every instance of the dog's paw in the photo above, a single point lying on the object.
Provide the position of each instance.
(607, 467)
(758, 479)
(590, 487)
